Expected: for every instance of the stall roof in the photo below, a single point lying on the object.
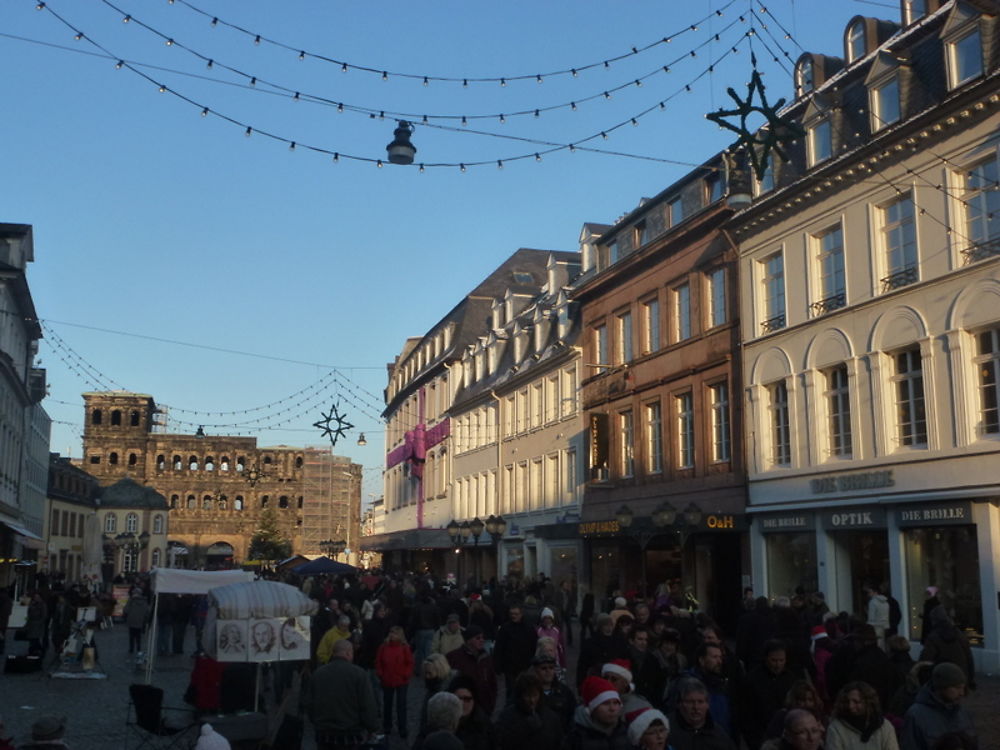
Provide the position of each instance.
(179, 581)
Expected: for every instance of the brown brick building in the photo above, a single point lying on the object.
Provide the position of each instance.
(218, 486)
(661, 395)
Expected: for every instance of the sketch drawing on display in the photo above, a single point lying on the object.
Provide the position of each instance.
(231, 640)
(294, 638)
(264, 639)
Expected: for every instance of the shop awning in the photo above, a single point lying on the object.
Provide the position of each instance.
(20, 530)
(410, 539)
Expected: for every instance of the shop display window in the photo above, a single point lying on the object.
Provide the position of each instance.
(791, 562)
(946, 557)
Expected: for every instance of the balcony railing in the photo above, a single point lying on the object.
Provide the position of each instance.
(982, 251)
(831, 303)
(905, 277)
(773, 324)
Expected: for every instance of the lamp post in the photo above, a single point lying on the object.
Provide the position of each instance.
(665, 519)
(332, 548)
(460, 533)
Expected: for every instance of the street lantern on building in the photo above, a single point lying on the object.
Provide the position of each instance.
(665, 519)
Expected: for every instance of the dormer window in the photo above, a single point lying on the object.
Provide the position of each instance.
(641, 234)
(965, 57)
(613, 254)
(804, 79)
(914, 10)
(885, 103)
(856, 42)
(675, 210)
(766, 182)
(820, 142)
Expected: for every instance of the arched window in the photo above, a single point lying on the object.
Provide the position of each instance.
(300, 502)
(223, 503)
(856, 41)
(241, 463)
(190, 502)
(116, 417)
(267, 459)
(804, 76)
(155, 560)
(113, 458)
(174, 499)
(132, 459)
(178, 463)
(206, 502)
(224, 464)
(161, 462)
(133, 419)
(96, 416)
(158, 523)
(132, 523)
(193, 463)
(283, 501)
(209, 463)
(264, 500)
(298, 462)
(238, 503)
(110, 523)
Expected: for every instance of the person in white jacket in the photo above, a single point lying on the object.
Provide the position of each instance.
(858, 723)
(878, 613)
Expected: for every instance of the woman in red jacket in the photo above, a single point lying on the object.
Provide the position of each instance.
(394, 666)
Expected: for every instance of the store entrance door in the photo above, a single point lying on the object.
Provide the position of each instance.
(861, 558)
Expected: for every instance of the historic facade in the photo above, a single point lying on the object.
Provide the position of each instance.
(73, 534)
(217, 486)
(870, 286)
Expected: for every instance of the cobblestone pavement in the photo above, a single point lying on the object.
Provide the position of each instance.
(96, 709)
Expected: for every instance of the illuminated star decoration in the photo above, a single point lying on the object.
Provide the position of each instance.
(327, 422)
(768, 138)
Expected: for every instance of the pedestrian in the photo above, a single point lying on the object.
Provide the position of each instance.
(600, 648)
(444, 711)
(801, 732)
(547, 629)
(514, 647)
(339, 632)
(340, 702)
(449, 636)
(937, 710)
(555, 693)
(62, 622)
(858, 723)
(764, 691)
(878, 612)
(931, 602)
(619, 673)
(946, 643)
(424, 620)
(586, 616)
(804, 695)
(475, 729)
(136, 618)
(692, 725)
(472, 661)
(437, 674)
(394, 667)
(34, 626)
(527, 720)
(566, 602)
(648, 729)
(47, 733)
(597, 723)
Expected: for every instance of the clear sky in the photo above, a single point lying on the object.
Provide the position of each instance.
(153, 220)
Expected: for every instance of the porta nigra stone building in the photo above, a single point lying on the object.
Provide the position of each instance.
(218, 486)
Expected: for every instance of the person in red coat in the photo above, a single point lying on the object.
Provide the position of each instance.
(394, 666)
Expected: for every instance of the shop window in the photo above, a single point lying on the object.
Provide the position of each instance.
(946, 557)
(988, 365)
(908, 383)
(791, 563)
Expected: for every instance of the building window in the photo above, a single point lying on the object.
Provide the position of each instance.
(96, 416)
(654, 438)
(838, 403)
(133, 419)
(522, 410)
(626, 431)
(641, 234)
(682, 312)
(601, 347)
(116, 418)
(238, 503)
(613, 254)
(685, 431)
(158, 523)
(820, 142)
(981, 198)
(156, 558)
(161, 462)
(717, 297)
(650, 325)
(804, 77)
(131, 523)
(569, 476)
(206, 502)
(509, 411)
(675, 208)
(781, 442)
(95, 459)
(885, 104)
(965, 57)
(830, 261)
(110, 523)
(130, 560)
(713, 189)
(132, 459)
(189, 503)
(193, 463)
(113, 458)
(536, 404)
(551, 405)
(569, 392)
(856, 46)
(773, 283)
(914, 10)
(908, 381)
(765, 183)
(721, 450)
(899, 235)
(988, 362)
(625, 350)
(174, 501)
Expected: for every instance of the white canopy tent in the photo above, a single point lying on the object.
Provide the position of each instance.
(179, 581)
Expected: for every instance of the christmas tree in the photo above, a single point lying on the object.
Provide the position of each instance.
(268, 543)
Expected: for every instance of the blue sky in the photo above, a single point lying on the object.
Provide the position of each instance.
(150, 219)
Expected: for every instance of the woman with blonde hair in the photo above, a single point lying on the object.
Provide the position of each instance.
(437, 675)
(858, 723)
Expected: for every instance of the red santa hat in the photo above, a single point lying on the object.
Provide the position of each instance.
(819, 633)
(620, 667)
(597, 690)
(640, 720)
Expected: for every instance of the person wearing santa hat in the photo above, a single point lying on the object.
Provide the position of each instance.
(648, 729)
(597, 724)
(619, 673)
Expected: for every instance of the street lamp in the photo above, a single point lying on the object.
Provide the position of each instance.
(332, 548)
(664, 518)
(495, 527)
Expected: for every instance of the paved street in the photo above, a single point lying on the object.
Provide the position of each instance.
(96, 708)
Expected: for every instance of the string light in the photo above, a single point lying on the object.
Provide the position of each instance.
(249, 131)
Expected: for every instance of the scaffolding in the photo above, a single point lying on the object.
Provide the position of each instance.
(331, 501)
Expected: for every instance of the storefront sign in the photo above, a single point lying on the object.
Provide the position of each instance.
(855, 518)
(934, 514)
(724, 522)
(868, 480)
(798, 522)
(598, 527)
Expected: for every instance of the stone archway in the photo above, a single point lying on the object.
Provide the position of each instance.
(220, 555)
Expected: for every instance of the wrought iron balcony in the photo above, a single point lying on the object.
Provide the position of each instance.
(901, 278)
(773, 324)
(982, 251)
(831, 303)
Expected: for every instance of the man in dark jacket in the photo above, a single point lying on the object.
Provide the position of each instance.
(691, 724)
(340, 702)
(555, 694)
(764, 691)
(937, 710)
(514, 648)
(860, 658)
(708, 673)
(602, 647)
(472, 661)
